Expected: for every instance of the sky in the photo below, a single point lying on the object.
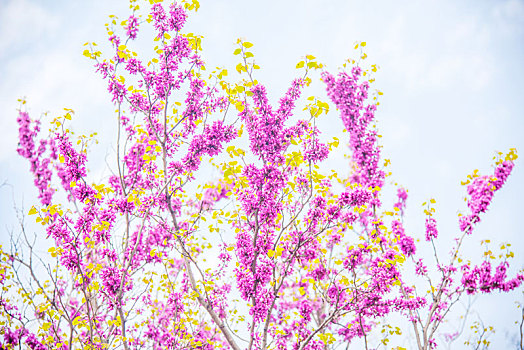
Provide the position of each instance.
(451, 73)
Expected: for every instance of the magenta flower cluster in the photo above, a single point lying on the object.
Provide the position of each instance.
(481, 191)
(40, 165)
(481, 279)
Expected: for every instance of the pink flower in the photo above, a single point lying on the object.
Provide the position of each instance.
(431, 229)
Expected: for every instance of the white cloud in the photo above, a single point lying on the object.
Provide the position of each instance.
(509, 16)
(21, 20)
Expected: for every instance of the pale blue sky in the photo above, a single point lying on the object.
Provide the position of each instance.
(452, 74)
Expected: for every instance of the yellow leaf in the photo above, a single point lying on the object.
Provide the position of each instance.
(300, 64)
(279, 251)
(77, 320)
(247, 45)
(33, 211)
(239, 67)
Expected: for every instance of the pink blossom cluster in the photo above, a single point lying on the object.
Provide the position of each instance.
(431, 229)
(481, 191)
(402, 196)
(350, 97)
(480, 278)
(406, 243)
(40, 165)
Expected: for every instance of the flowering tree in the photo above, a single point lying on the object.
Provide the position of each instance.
(271, 253)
